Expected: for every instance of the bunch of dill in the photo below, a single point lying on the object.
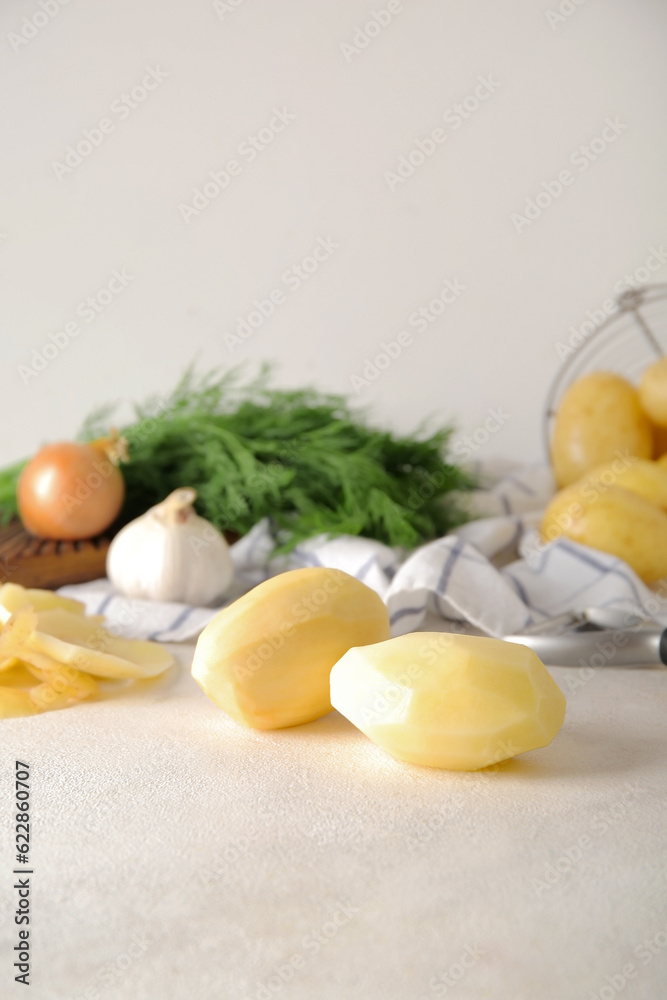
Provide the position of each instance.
(303, 458)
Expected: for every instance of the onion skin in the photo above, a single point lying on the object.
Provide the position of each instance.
(70, 491)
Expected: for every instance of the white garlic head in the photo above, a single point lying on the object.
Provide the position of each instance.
(171, 554)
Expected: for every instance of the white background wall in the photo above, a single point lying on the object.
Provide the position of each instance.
(323, 176)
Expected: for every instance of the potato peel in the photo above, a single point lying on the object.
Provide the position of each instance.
(16, 630)
(13, 596)
(9, 663)
(15, 702)
(90, 647)
(52, 640)
(61, 691)
(62, 678)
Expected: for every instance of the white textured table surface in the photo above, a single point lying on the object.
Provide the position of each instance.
(178, 855)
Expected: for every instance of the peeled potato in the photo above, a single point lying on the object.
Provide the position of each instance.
(615, 521)
(84, 643)
(61, 687)
(47, 636)
(266, 659)
(15, 630)
(60, 677)
(9, 664)
(38, 663)
(653, 392)
(13, 596)
(14, 702)
(454, 701)
(599, 419)
(18, 676)
(639, 475)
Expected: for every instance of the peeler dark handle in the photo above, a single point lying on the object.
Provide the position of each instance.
(662, 646)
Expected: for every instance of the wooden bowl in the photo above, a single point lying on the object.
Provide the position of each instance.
(46, 563)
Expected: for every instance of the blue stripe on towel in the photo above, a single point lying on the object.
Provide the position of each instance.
(589, 560)
(516, 537)
(584, 557)
(360, 574)
(521, 591)
(404, 612)
(179, 619)
(105, 604)
(449, 565)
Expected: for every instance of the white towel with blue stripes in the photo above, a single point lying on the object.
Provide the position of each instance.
(492, 573)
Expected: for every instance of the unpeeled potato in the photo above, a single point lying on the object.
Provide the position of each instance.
(616, 521)
(653, 392)
(599, 419)
(639, 475)
(659, 441)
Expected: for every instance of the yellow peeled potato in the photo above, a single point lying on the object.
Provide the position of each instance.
(62, 689)
(599, 419)
(639, 475)
(84, 644)
(13, 596)
(266, 659)
(443, 700)
(615, 521)
(653, 392)
(14, 703)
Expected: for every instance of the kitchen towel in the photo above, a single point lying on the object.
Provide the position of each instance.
(493, 573)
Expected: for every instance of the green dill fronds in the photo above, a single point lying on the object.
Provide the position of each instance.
(303, 458)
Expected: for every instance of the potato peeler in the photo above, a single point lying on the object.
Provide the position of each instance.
(597, 637)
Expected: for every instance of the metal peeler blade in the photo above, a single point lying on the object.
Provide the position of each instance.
(596, 637)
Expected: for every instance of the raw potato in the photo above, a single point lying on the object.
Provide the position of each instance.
(647, 479)
(659, 440)
(46, 636)
(14, 702)
(62, 687)
(84, 643)
(17, 628)
(266, 659)
(653, 392)
(599, 420)
(616, 521)
(9, 664)
(454, 701)
(13, 596)
(61, 684)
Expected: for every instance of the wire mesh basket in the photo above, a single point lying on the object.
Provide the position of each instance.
(626, 343)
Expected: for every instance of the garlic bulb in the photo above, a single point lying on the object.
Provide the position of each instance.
(171, 554)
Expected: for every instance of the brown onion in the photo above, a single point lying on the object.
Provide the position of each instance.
(71, 491)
